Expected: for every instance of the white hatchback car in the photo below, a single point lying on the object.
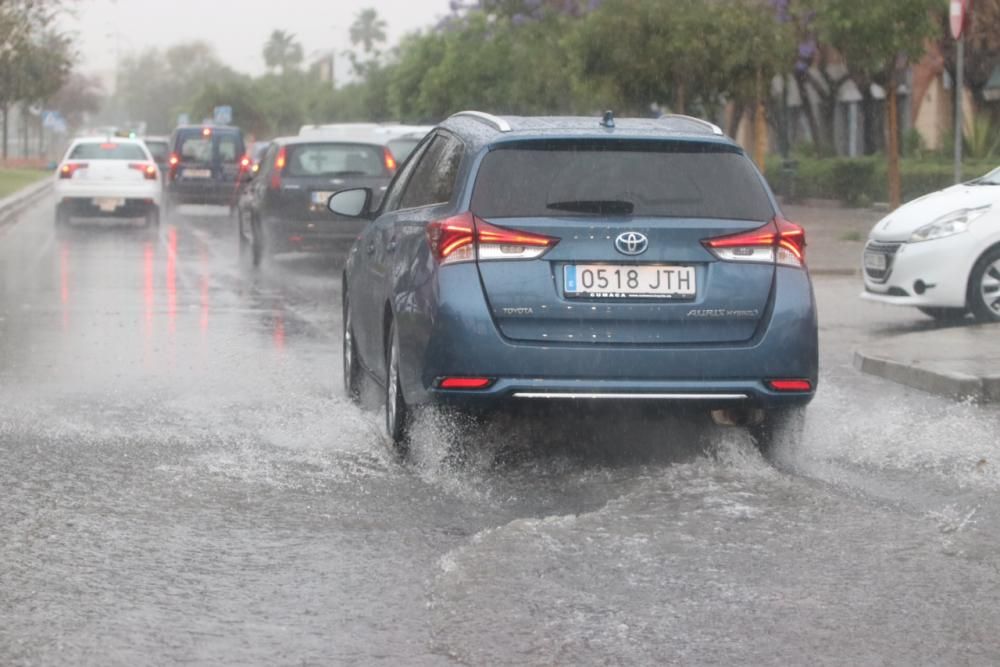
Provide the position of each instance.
(102, 178)
(940, 253)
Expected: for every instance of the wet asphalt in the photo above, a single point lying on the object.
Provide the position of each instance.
(182, 481)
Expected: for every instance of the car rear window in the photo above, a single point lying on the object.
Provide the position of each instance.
(158, 149)
(107, 151)
(197, 148)
(335, 159)
(401, 148)
(603, 177)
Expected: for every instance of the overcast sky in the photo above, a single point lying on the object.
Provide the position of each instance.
(237, 28)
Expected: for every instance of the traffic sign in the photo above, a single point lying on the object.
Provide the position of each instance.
(957, 12)
(222, 115)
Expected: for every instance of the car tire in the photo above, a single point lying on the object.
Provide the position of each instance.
(256, 242)
(779, 425)
(944, 314)
(983, 295)
(397, 412)
(352, 365)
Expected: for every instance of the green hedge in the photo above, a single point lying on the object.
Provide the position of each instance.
(861, 181)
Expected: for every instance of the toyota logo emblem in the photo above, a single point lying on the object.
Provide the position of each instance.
(631, 243)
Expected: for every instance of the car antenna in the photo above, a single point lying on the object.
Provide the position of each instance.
(608, 120)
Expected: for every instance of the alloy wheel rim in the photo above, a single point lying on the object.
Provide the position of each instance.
(989, 287)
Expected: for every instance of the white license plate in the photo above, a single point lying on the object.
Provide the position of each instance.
(197, 173)
(108, 204)
(629, 280)
(876, 261)
(321, 197)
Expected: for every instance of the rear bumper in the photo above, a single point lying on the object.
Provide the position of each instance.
(84, 207)
(212, 193)
(461, 339)
(708, 394)
(325, 234)
(69, 191)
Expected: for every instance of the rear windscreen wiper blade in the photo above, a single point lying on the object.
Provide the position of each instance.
(598, 206)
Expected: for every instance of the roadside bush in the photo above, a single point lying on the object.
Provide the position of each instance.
(855, 181)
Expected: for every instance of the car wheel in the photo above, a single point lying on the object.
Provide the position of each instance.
(944, 314)
(779, 425)
(256, 242)
(984, 287)
(352, 366)
(397, 413)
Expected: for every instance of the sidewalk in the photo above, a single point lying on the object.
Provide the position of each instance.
(835, 237)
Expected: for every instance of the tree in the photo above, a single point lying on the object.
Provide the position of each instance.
(281, 51)
(368, 30)
(876, 39)
(79, 96)
(34, 57)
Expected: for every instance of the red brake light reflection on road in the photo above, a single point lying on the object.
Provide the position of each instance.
(790, 385)
(464, 383)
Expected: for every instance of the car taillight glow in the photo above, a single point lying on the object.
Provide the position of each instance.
(465, 383)
(390, 160)
(148, 169)
(777, 242)
(70, 168)
(279, 163)
(174, 159)
(245, 162)
(206, 131)
(462, 237)
(790, 385)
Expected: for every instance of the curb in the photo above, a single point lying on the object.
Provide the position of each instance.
(20, 200)
(950, 384)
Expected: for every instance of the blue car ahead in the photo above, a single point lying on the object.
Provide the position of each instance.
(556, 259)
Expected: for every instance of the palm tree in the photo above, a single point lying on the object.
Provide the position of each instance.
(282, 51)
(368, 30)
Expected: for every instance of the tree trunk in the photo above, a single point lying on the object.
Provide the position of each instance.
(892, 148)
(6, 109)
(680, 102)
(760, 129)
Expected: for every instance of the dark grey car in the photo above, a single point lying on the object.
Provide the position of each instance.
(284, 207)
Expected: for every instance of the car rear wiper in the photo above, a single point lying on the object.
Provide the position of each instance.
(597, 206)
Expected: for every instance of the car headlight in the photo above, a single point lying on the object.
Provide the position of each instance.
(949, 224)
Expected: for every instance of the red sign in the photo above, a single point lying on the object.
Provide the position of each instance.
(957, 12)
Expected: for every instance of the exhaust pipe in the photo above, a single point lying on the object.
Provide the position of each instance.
(738, 416)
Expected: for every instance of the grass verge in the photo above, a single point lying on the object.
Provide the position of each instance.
(12, 180)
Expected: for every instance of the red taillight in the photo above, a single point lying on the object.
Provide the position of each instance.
(245, 162)
(172, 163)
(108, 146)
(174, 159)
(458, 239)
(70, 168)
(390, 160)
(279, 163)
(790, 385)
(777, 242)
(464, 383)
(206, 131)
(148, 169)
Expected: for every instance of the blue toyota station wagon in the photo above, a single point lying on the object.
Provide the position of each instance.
(579, 259)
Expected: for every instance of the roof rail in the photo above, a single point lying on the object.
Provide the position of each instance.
(711, 127)
(499, 123)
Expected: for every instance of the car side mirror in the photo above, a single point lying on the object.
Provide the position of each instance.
(353, 203)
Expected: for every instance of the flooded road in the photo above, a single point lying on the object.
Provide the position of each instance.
(181, 480)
